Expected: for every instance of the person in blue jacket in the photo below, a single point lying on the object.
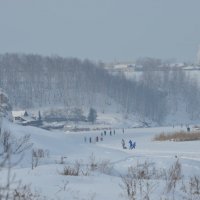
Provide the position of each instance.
(131, 144)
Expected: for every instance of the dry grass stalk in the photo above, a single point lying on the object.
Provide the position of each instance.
(178, 136)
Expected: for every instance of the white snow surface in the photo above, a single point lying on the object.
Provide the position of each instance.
(47, 180)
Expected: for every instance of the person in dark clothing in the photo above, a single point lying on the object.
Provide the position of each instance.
(123, 144)
(131, 144)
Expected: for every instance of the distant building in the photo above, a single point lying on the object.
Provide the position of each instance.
(19, 115)
(24, 118)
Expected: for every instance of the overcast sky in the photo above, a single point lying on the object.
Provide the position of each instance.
(104, 30)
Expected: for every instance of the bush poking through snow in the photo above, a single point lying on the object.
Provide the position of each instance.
(92, 162)
(9, 142)
(37, 154)
(25, 193)
(173, 176)
(70, 171)
(11, 189)
(191, 189)
(78, 168)
(105, 167)
(139, 181)
(178, 136)
(129, 185)
(142, 179)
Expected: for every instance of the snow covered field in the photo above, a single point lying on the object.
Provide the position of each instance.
(105, 182)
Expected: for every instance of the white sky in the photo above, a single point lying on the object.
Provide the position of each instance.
(104, 30)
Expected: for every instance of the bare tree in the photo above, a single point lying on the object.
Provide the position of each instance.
(9, 147)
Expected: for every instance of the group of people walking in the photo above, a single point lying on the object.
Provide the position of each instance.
(132, 145)
(99, 138)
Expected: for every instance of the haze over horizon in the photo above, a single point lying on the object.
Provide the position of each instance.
(104, 30)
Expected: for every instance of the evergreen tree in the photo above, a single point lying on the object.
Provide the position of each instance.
(39, 116)
(92, 116)
(5, 107)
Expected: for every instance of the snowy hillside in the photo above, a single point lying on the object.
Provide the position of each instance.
(149, 91)
(179, 83)
(109, 160)
(34, 81)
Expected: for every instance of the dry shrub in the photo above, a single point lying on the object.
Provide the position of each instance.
(92, 162)
(25, 193)
(191, 190)
(105, 166)
(72, 170)
(129, 185)
(142, 179)
(146, 171)
(138, 181)
(9, 143)
(38, 154)
(173, 176)
(178, 136)
(79, 168)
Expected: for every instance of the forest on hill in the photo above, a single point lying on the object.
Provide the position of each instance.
(33, 81)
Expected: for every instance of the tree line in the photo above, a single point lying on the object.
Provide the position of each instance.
(36, 81)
